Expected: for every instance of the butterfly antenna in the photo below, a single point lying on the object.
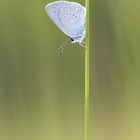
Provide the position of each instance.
(61, 47)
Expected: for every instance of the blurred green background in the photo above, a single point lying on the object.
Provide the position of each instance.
(42, 94)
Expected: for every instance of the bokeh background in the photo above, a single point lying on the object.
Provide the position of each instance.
(42, 94)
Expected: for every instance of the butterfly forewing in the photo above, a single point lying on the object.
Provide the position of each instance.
(52, 10)
(68, 16)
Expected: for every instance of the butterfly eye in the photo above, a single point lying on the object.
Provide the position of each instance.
(72, 39)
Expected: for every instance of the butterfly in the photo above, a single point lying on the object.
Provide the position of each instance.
(70, 17)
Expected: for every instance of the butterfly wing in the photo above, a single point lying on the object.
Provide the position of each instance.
(70, 17)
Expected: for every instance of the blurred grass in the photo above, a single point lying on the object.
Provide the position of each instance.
(42, 94)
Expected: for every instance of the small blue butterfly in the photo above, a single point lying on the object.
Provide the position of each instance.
(70, 17)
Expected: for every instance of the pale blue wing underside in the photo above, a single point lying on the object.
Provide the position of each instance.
(70, 17)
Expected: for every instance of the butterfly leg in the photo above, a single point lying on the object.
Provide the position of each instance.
(62, 47)
(62, 50)
(82, 42)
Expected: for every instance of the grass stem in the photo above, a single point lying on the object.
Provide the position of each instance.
(87, 73)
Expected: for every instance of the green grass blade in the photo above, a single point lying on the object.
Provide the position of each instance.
(87, 73)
